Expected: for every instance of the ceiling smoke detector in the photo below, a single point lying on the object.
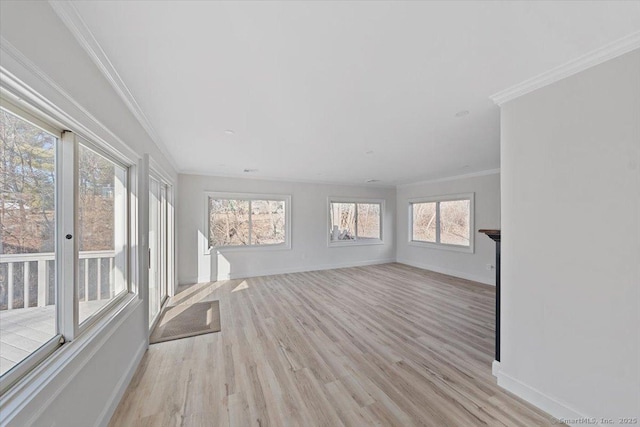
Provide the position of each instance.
(369, 181)
(250, 170)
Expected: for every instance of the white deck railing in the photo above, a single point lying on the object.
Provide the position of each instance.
(44, 261)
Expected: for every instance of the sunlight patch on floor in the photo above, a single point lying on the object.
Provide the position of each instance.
(241, 286)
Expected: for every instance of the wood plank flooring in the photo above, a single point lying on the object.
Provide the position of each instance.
(386, 345)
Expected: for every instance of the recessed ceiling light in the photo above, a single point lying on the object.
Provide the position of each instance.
(462, 113)
(250, 170)
(369, 181)
(229, 131)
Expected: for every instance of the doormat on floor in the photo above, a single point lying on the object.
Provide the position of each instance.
(186, 320)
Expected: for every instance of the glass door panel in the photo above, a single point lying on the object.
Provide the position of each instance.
(27, 244)
(154, 249)
(163, 243)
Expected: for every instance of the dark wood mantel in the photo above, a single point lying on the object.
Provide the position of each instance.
(495, 236)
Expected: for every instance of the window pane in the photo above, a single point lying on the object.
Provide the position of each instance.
(267, 222)
(154, 253)
(368, 221)
(343, 221)
(424, 222)
(27, 247)
(228, 222)
(454, 222)
(102, 227)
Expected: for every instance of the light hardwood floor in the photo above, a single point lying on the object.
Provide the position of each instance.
(384, 345)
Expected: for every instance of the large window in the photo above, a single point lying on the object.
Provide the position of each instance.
(355, 221)
(248, 220)
(445, 221)
(64, 238)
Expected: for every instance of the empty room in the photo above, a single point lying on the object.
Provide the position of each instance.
(291, 213)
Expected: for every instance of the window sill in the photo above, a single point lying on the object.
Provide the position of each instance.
(443, 246)
(33, 383)
(347, 243)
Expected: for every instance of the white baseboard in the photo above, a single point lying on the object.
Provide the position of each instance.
(259, 273)
(448, 272)
(188, 281)
(118, 392)
(554, 407)
(495, 368)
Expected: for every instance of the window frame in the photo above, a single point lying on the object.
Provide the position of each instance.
(128, 276)
(356, 241)
(437, 244)
(67, 325)
(286, 198)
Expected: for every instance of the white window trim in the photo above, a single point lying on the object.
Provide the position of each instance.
(445, 246)
(248, 196)
(356, 242)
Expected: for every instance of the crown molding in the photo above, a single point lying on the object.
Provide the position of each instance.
(71, 18)
(451, 178)
(72, 114)
(287, 180)
(593, 58)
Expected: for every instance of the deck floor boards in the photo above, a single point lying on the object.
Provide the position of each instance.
(24, 330)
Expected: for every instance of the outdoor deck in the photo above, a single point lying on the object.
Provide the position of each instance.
(28, 277)
(24, 330)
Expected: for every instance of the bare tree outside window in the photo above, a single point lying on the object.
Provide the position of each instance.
(27, 194)
(424, 222)
(235, 222)
(446, 222)
(267, 222)
(343, 216)
(368, 221)
(228, 222)
(350, 221)
(454, 222)
(95, 201)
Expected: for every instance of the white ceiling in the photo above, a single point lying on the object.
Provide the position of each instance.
(309, 88)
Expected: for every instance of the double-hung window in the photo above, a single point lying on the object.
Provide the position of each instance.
(64, 237)
(442, 221)
(355, 221)
(239, 220)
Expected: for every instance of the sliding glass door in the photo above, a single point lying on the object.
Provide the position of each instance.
(159, 259)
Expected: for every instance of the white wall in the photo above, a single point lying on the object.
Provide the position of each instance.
(309, 230)
(470, 266)
(87, 388)
(571, 243)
